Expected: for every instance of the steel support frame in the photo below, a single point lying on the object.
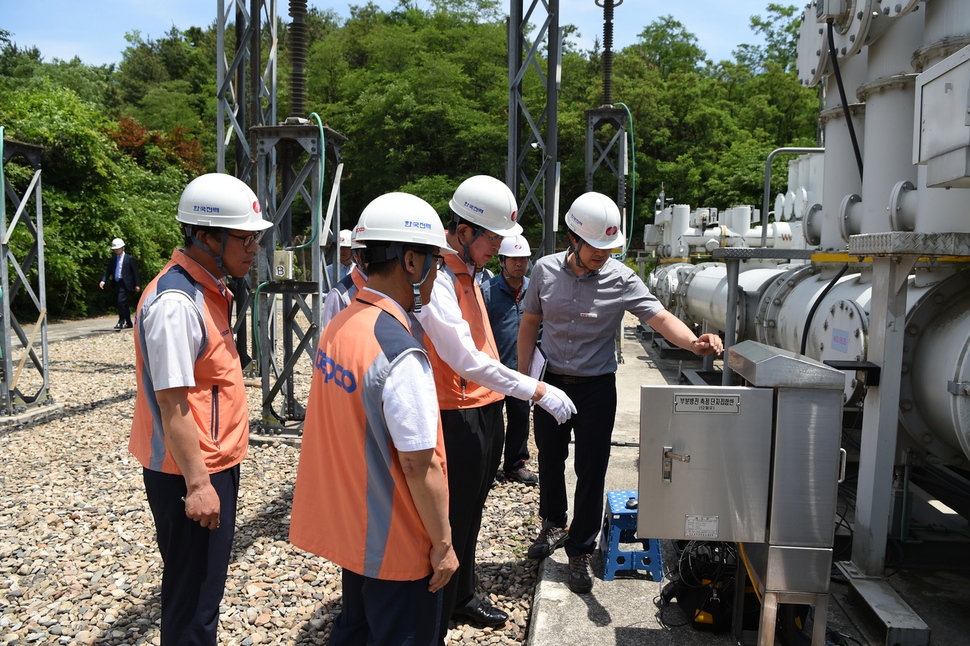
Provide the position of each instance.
(29, 278)
(894, 254)
(611, 155)
(288, 311)
(245, 87)
(534, 129)
(877, 455)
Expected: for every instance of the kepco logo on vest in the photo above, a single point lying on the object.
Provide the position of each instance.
(333, 371)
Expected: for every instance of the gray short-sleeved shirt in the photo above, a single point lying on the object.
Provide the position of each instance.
(580, 316)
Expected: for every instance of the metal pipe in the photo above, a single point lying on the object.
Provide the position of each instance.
(764, 203)
(730, 325)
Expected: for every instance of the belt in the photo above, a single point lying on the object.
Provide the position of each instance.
(573, 379)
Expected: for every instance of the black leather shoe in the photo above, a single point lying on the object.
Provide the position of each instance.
(522, 475)
(482, 614)
(118, 325)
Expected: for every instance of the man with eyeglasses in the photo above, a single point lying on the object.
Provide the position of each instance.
(471, 382)
(190, 430)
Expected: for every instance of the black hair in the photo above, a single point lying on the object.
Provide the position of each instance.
(190, 230)
(382, 257)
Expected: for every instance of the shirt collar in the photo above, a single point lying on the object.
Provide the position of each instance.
(569, 270)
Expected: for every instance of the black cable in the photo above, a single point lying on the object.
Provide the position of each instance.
(718, 578)
(945, 475)
(818, 301)
(927, 479)
(893, 541)
(845, 102)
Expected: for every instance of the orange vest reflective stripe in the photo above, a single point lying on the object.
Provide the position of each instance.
(218, 399)
(351, 502)
(454, 391)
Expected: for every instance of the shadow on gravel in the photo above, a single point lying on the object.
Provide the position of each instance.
(140, 620)
(94, 367)
(65, 413)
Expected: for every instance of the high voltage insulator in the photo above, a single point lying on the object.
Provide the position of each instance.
(608, 6)
(298, 58)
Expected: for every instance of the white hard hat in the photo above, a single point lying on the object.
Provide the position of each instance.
(401, 217)
(595, 218)
(353, 240)
(487, 202)
(515, 247)
(117, 243)
(345, 236)
(223, 201)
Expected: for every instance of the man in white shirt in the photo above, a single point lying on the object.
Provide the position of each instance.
(471, 382)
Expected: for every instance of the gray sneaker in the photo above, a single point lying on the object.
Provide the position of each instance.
(549, 540)
(580, 574)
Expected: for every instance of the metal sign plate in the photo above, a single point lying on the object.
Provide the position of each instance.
(695, 403)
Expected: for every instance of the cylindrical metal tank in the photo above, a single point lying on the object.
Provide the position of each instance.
(889, 121)
(674, 245)
(664, 280)
(787, 302)
(841, 176)
(703, 294)
(934, 398)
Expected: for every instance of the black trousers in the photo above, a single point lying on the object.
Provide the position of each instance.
(396, 613)
(473, 449)
(516, 433)
(592, 426)
(124, 312)
(196, 559)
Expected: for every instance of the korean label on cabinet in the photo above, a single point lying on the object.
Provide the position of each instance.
(707, 403)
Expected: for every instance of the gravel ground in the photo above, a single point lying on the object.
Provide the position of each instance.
(78, 562)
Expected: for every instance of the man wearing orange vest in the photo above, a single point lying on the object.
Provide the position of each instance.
(191, 424)
(371, 493)
(471, 381)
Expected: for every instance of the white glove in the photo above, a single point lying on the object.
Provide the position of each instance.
(557, 403)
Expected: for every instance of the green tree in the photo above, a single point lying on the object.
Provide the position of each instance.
(92, 193)
(669, 47)
(779, 28)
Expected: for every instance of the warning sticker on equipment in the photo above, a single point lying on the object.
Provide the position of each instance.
(707, 404)
(701, 527)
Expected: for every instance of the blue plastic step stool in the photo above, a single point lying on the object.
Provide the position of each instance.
(620, 526)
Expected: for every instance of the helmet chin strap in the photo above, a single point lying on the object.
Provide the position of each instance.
(425, 271)
(222, 249)
(466, 253)
(574, 249)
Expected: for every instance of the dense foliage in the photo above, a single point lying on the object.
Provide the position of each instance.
(421, 95)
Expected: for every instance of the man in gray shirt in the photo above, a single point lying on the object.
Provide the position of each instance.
(579, 296)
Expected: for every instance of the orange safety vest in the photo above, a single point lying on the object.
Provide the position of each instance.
(351, 502)
(218, 399)
(454, 391)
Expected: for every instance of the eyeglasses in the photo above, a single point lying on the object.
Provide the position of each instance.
(439, 261)
(249, 239)
(493, 238)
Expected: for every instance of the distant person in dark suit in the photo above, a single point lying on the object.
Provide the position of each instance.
(124, 271)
